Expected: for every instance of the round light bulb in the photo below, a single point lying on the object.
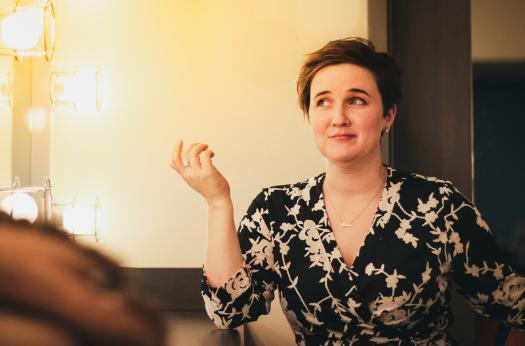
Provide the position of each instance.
(80, 219)
(22, 29)
(21, 206)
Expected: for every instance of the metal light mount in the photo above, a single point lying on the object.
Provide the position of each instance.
(76, 89)
(19, 198)
(79, 220)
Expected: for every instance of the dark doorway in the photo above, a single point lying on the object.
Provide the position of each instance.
(499, 161)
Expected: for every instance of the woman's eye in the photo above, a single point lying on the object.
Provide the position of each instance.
(322, 102)
(356, 101)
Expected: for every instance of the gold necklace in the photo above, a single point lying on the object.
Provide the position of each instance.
(350, 223)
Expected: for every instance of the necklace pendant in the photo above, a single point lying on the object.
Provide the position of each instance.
(345, 224)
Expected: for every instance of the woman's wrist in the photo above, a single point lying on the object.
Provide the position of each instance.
(220, 202)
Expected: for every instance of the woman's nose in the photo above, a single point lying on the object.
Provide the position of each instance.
(340, 116)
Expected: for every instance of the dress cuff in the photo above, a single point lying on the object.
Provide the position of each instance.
(223, 303)
(237, 284)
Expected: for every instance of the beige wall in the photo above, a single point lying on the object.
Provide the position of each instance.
(222, 72)
(498, 29)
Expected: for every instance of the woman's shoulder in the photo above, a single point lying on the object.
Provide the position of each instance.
(419, 180)
(300, 189)
(302, 184)
(420, 184)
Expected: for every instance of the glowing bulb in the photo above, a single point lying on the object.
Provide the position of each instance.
(22, 29)
(87, 89)
(79, 88)
(21, 206)
(66, 88)
(80, 219)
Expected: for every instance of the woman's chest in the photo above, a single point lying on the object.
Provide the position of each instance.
(390, 282)
(394, 274)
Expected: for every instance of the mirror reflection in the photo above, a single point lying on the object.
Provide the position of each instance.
(498, 56)
(102, 119)
(161, 72)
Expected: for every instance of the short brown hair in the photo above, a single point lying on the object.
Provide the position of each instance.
(357, 51)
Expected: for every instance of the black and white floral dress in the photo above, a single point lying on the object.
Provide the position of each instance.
(425, 236)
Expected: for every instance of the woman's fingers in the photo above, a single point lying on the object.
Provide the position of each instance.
(207, 155)
(190, 147)
(179, 162)
(176, 157)
(196, 168)
(194, 155)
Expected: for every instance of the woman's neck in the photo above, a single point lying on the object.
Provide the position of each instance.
(354, 179)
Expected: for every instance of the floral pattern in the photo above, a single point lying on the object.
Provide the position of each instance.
(425, 236)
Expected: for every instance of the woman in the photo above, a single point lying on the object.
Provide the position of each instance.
(363, 253)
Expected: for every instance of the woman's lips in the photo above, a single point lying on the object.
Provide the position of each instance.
(342, 137)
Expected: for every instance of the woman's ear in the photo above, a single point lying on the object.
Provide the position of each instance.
(390, 116)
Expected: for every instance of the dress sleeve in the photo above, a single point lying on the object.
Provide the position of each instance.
(249, 292)
(492, 287)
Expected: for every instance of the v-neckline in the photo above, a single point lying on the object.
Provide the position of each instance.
(371, 230)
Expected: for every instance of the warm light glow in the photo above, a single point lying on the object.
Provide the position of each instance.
(22, 29)
(66, 88)
(87, 89)
(77, 88)
(80, 219)
(36, 120)
(21, 206)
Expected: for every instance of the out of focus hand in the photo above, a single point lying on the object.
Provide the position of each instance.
(44, 275)
(199, 172)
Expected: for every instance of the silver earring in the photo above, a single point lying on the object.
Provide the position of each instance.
(387, 129)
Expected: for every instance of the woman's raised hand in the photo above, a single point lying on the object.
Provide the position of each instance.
(223, 252)
(198, 171)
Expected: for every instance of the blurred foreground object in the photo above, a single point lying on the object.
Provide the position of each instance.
(56, 292)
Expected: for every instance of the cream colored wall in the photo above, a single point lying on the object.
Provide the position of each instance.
(498, 29)
(222, 72)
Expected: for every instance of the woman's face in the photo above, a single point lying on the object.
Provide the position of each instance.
(346, 113)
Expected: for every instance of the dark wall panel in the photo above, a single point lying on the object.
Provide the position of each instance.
(433, 130)
(432, 134)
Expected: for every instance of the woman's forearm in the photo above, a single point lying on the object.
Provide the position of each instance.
(223, 252)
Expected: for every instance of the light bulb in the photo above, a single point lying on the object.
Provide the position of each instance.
(87, 89)
(79, 88)
(21, 206)
(22, 29)
(80, 219)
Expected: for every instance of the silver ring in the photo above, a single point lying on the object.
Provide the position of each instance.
(186, 164)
